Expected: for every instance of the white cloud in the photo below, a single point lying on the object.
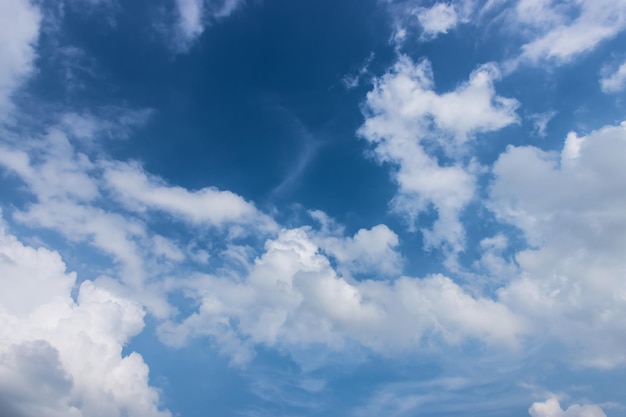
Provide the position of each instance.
(411, 397)
(404, 106)
(191, 19)
(411, 17)
(66, 186)
(437, 19)
(572, 209)
(110, 232)
(554, 31)
(567, 29)
(71, 197)
(291, 298)
(138, 191)
(43, 269)
(19, 31)
(541, 120)
(405, 116)
(108, 123)
(614, 82)
(167, 249)
(552, 408)
(195, 15)
(73, 193)
(369, 251)
(539, 13)
(353, 80)
(60, 357)
(57, 171)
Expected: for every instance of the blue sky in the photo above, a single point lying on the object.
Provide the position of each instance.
(312, 208)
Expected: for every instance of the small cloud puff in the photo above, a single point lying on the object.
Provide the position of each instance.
(552, 408)
(436, 20)
(615, 81)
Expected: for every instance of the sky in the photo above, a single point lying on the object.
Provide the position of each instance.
(297, 208)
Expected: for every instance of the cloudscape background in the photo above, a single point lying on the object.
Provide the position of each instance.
(354, 208)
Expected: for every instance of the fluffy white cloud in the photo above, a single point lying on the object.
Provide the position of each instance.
(291, 298)
(552, 408)
(43, 280)
(405, 117)
(60, 357)
(571, 207)
(568, 29)
(19, 31)
(405, 105)
(437, 19)
(191, 19)
(412, 17)
(616, 81)
(369, 251)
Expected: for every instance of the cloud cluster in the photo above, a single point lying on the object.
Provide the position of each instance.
(406, 119)
(60, 356)
(299, 292)
(313, 286)
(546, 31)
(290, 297)
(74, 194)
(570, 207)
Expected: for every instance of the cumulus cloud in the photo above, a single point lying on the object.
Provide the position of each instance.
(292, 298)
(405, 117)
(405, 105)
(571, 208)
(552, 408)
(370, 251)
(19, 31)
(60, 356)
(614, 82)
